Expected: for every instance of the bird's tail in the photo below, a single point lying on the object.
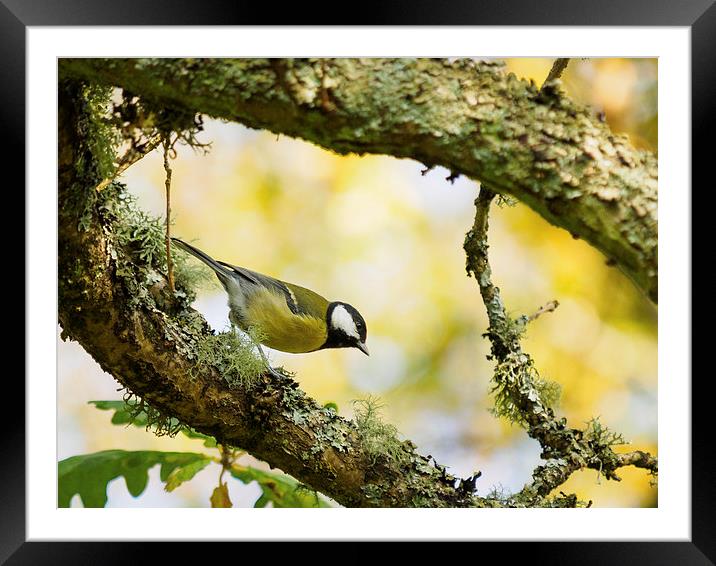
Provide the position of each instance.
(219, 269)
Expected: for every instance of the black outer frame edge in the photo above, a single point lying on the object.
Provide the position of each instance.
(418, 12)
(393, 12)
(703, 124)
(12, 121)
(552, 553)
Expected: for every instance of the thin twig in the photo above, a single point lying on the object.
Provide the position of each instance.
(639, 459)
(549, 307)
(130, 158)
(556, 71)
(167, 185)
(479, 267)
(565, 449)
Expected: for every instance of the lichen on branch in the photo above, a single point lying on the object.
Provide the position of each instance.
(114, 298)
(469, 116)
(524, 397)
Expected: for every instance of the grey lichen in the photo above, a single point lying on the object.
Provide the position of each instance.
(330, 432)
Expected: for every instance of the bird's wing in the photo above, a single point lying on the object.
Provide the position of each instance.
(247, 274)
(309, 302)
(220, 270)
(270, 283)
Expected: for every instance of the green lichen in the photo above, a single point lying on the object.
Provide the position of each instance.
(233, 354)
(506, 201)
(372, 491)
(101, 137)
(379, 439)
(498, 496)
(93, 156)
(519, 389)
(600, 436)
(421, 501)
(139, 251)
(470, 116)
(550, 392)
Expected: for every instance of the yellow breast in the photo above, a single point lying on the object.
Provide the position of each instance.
(284, 330)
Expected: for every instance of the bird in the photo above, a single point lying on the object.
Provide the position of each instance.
(291, 318)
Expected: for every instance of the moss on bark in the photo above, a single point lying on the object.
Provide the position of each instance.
(471, 117)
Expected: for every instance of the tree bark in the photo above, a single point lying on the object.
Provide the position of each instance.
(471, 117)
(149, 346)
(467, 116)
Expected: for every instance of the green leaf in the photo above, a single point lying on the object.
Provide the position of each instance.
(279, 489)
(123, 414)
(185, 473)
(89, 474)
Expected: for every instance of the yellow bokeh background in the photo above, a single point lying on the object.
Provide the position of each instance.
(374, 232)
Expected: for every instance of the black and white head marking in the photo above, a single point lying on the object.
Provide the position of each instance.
(346, 327)
(343, 320)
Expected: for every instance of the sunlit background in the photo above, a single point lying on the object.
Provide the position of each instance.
(374, 232)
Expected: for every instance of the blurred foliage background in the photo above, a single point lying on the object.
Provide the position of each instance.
(376, 233)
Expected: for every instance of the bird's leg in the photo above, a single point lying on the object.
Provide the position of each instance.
(272, 371)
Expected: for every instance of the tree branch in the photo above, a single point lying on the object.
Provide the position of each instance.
(520, 392)
(468, 116)
(551, 306)
(639, 459)
(148, 340)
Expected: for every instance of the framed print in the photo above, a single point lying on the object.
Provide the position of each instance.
(214, 182)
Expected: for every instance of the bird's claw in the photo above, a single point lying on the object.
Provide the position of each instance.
(277, 374)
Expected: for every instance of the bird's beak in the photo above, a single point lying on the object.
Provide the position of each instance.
(363, 348)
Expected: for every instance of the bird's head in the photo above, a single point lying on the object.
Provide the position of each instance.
(346, 327)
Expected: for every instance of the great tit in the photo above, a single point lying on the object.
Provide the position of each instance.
(291, 318)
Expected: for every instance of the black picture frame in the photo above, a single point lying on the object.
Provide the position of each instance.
(699, 15)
